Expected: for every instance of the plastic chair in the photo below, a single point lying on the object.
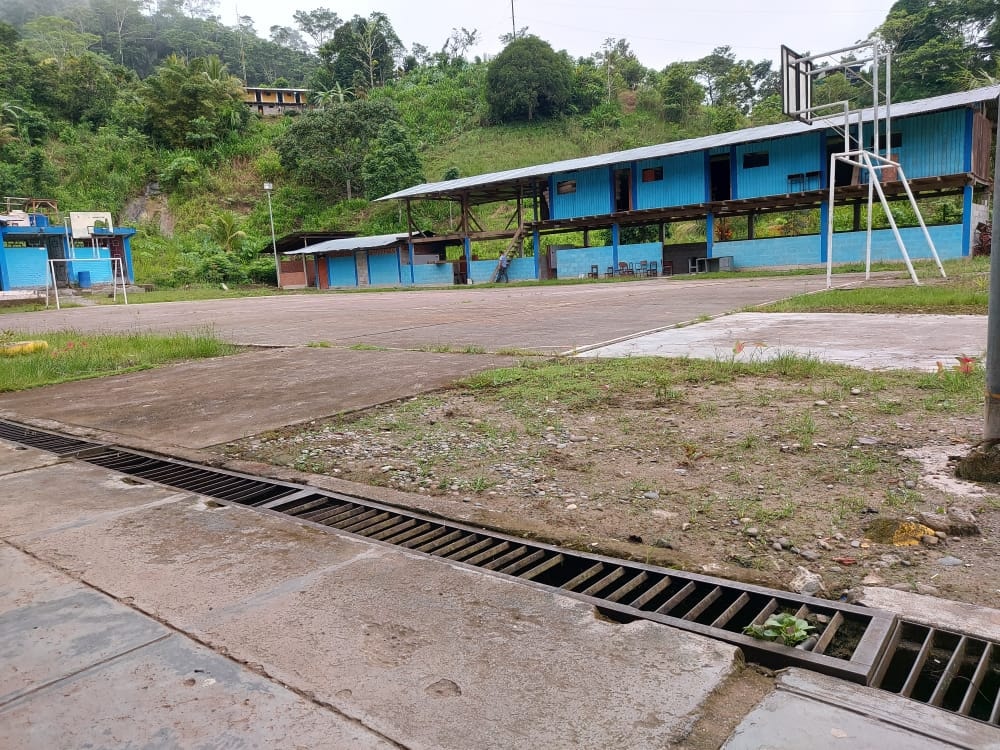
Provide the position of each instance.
(653, 269)
(593, 272)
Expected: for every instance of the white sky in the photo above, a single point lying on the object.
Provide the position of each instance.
(659, 32)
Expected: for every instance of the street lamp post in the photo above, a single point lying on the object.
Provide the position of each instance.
(268, 187)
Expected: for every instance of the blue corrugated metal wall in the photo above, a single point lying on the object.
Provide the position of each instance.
(592, 196)
(683, 182)
(796, 155)
(932, 144)
(342, 271)
(433, 273)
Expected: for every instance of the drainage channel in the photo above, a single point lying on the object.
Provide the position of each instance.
(868, 646)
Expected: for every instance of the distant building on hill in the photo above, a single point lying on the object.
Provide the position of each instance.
(269, 101)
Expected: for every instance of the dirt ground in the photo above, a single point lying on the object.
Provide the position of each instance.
(749, 477)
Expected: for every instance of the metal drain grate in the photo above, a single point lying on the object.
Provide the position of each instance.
(948, 670)
(46, 441)
(217, 483)
(851, 643)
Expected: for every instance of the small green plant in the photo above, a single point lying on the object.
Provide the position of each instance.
(784, 628)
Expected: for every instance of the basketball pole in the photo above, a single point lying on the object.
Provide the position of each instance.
(991, 432)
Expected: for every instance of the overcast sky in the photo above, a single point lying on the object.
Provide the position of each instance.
(660, 32)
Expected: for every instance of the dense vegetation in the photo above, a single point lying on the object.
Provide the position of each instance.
(136, 107)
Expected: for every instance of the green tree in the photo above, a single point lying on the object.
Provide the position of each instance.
(391, 163)
(528, 80)
(193, 104)
(326, 149)
(682, 95)
(223, 230)
(938, 43)
(362, 53)
(319, 24)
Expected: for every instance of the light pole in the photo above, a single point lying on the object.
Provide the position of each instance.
(268, 187)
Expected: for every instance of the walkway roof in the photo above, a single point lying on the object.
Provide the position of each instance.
(375, 242)
(509, 184)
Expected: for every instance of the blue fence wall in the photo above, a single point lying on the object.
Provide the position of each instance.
(22, 267)
(100, 273)
(431, 273)
(848, 247)
(383, 269)
(573, 263)
(519, 269)
(341, 270)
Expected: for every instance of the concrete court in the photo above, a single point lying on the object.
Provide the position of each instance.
(874, 342)
(544, 319)
(132, 615)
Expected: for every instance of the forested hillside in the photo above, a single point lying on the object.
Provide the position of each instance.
(136, 107)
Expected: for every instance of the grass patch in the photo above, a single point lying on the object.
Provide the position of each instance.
(77, 356)
(964, 292)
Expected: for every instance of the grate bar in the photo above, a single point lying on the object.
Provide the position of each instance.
(741, 601)
(707, 600)
(684, 593)
(652, 592)
(918, 664)
(544, 567)
(583, 577)
(627, 588)
(825, 638)
(524, 562)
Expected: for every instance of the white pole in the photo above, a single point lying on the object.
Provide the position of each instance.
(920, 219)
(274, 245)
(875, 100)
(892, 219)
(829, 220)
(868, 242)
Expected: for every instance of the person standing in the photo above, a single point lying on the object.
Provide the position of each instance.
(502, 273)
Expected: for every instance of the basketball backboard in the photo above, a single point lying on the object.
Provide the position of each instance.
(796, 85)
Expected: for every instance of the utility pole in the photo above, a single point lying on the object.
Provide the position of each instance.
(513, 26)
(992, 431)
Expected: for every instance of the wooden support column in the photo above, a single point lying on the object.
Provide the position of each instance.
(857, 217)
(586, 238)
(409, 239)
(751, 223)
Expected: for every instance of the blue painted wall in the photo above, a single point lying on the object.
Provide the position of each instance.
(592, 196)
(100, 273)
(432, 273)
(22, 267)
(792, 155)
(848, 247)
(342, 271)
(932, 144)
(683, 181)
(383, 269)
(571, 264)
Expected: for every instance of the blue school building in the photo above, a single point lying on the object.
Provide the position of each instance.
(944, 144)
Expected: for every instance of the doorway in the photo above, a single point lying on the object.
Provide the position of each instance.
(720, 178)
(623, 190)
(843, 174)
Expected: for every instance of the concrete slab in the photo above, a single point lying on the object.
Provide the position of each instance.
(62, 630)
(203, 403)
(874, 342)
(174, 694)
(815, 711)
(958, 617)
(433, 655)
(14, 458)
(66, 495)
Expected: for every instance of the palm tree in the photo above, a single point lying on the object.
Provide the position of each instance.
(223, 229)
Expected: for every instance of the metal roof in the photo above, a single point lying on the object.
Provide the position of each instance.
(526, 176)
(374, 242)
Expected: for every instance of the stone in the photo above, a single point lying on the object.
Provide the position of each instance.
(936, 521)
(666, 515)
(872, 580)
(651, 495)
(820, 403)
(824, 545)
(571, 506)
(685, 526)
(929, 540)
(777, 547)
(868, 440)
(926, 588)
(855, 391)
(855, 543)
(578, 438)
(663, 543)
(940, 535)
(949, 561)
(753, 531)
(806, 582)
(963, 522)
(808, 554)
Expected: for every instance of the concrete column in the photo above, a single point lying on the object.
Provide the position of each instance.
(614, 245)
